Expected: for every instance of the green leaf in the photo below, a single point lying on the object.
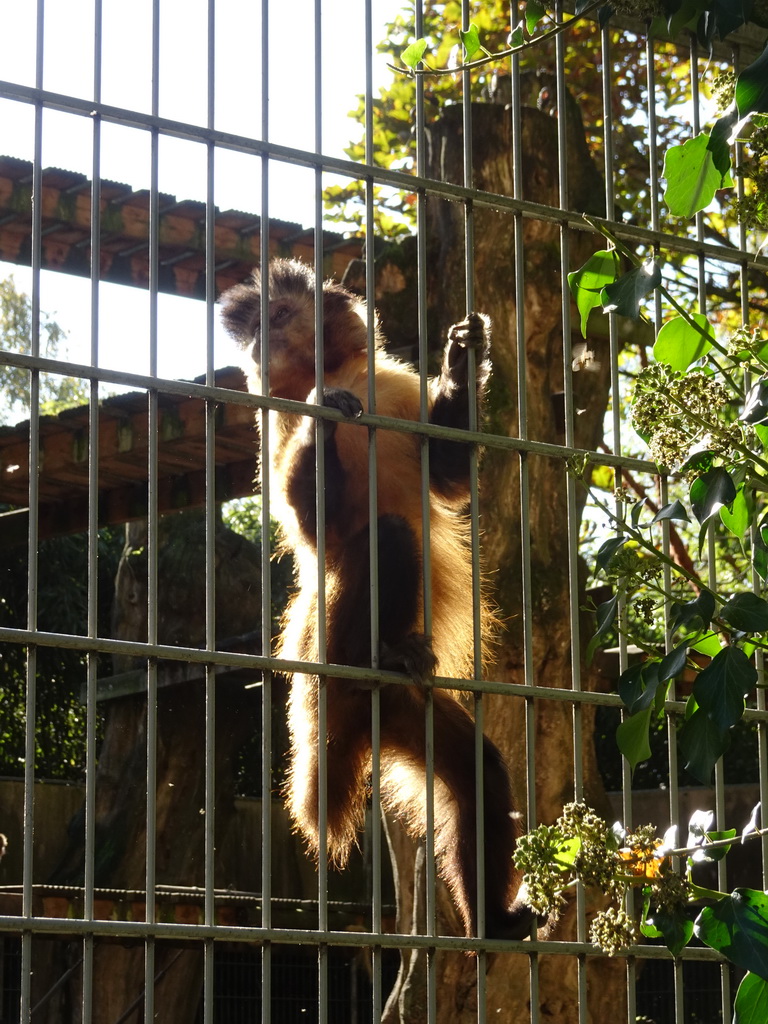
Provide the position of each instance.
(752, 87)
(756, 403)
(516, 38)
(695, 614)
(737, 927)
(676, 929)
(624, 296)
(679, 343)
(674, 510)
(412, 54)
(709, 853)
(707, 644)
(471, 40)
(692, 177)
(710, 492)
(639, 691)
(605, 615)
(737, 519)
(751, 1006)
(672, 664)
(721, 687)
(632, 737)
(607, 550)
(746, 612)
(534, 12)
(702, 743)
(587, 283)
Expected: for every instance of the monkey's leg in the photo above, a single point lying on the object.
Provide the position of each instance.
(455, 807)
(449, 460)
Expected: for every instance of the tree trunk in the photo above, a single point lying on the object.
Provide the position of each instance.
(551, 665)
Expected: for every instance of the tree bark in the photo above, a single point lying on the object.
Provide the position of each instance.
(552, 642)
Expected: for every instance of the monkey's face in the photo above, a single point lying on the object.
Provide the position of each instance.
(291, 345)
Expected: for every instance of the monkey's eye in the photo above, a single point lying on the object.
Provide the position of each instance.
(280, 314)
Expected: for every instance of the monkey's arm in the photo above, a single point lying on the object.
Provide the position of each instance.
(301, 484)
(449, 460)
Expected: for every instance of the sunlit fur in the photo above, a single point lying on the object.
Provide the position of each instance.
(291, 439)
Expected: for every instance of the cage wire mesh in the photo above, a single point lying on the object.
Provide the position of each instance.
(169, 885)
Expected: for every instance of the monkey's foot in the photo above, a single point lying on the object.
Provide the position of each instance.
(345, 401)
(470, 333)
(413, 656)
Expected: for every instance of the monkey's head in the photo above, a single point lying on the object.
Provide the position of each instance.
(291, 290)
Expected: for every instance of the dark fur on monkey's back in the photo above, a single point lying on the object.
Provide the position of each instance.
(403, 645)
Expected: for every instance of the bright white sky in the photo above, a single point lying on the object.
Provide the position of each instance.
(125, 152)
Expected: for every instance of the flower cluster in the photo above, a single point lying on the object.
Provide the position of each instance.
(580, 845)
(612, 931)
(677, 412)
(536, 855)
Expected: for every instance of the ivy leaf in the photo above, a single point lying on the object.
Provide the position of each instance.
(756, 403)
(587, 283)
(631, 684)
(692, 177)
(674, 510)
(672, 664)
(737, 519)
(751, 1005)
(710, 492)
(607, 550)
(746, 612)
(471, 40)
(752, 87)
(695, 614)
(674, 928)
(702, 743)
(517, 38)
(605, 615)
(640, 692)
(632, 737)
(715, 853)
(412, 54)
(679, 343)
(737, 927)
(721, 687)
(624, 296)
(534, 12)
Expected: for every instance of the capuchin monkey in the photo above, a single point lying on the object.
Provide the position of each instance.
(404, 646)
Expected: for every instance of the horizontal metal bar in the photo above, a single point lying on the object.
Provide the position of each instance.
(190, 389)
(397, 179)
(259, 663)
(230, 933)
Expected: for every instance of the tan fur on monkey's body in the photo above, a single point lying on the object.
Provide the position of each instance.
(449, 651)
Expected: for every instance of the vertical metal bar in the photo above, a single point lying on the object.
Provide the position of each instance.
(33, 534)
(573, 518)
(210, 532)
(93, 530)
(152, 528)
(421, 278)
(322, 761)
(266, 552)
(526, 578)
(474, 518)
(377, 1000)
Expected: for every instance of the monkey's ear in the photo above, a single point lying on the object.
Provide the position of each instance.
(240, 312)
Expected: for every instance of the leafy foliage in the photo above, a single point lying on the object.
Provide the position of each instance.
(580, 846)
